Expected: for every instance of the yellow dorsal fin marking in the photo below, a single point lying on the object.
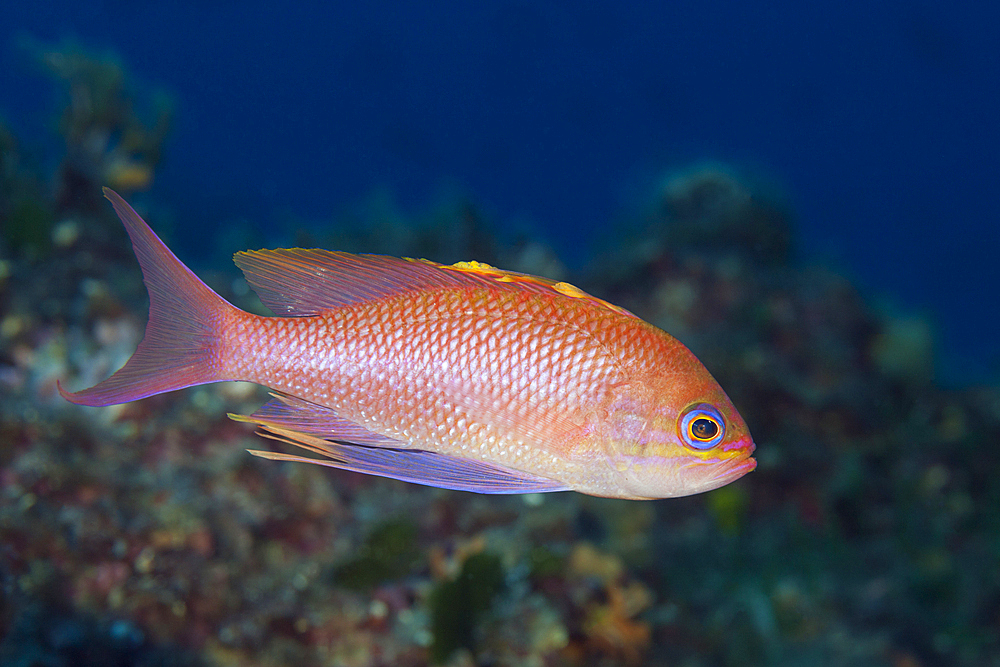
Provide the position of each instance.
(476, 267)
(501, 276)
(570, 290)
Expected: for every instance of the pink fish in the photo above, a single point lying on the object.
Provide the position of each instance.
(462, 377)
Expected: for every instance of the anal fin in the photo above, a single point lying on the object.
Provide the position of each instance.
(409, 465)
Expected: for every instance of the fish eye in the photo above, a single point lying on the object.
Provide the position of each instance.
(702, 427)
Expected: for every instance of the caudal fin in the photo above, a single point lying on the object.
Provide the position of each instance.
(181, 345)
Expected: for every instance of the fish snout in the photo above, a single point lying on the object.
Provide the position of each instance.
(731, 469)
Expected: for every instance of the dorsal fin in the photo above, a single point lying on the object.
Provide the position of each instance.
(302, 282)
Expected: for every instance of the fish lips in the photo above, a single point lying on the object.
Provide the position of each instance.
(732, 469)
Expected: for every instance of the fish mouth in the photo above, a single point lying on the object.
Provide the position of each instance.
(734, 468)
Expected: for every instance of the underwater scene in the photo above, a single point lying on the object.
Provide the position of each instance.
(803, 470)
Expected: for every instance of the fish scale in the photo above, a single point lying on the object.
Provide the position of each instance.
(463, 376)
(482, 386)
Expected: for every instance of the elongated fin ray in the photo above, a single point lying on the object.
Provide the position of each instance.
(409, 465)
(297, 414)
(185, 315)
(300, 282)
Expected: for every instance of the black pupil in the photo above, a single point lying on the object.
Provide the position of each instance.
(704, 429)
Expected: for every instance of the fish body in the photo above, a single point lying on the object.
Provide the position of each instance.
(462, 376)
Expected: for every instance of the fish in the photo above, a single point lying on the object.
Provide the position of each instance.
(461, 376)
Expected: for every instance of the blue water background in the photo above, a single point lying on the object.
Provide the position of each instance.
(880, 119)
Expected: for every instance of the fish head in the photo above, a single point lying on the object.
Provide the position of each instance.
(668, 439)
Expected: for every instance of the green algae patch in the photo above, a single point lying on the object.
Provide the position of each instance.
(458, 605)
(389, 552)
(29, 227)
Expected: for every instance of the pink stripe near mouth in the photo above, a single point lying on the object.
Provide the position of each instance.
(736, 468)
(742, 443)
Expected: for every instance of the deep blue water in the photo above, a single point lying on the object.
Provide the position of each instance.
(879, 118)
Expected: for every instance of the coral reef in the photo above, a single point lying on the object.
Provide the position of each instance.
(452, 230)
(25, 216)
(711, 206)
(114, 129)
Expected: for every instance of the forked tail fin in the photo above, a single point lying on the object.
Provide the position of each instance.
(181, 345)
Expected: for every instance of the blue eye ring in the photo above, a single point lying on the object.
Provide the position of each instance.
(702, 427)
